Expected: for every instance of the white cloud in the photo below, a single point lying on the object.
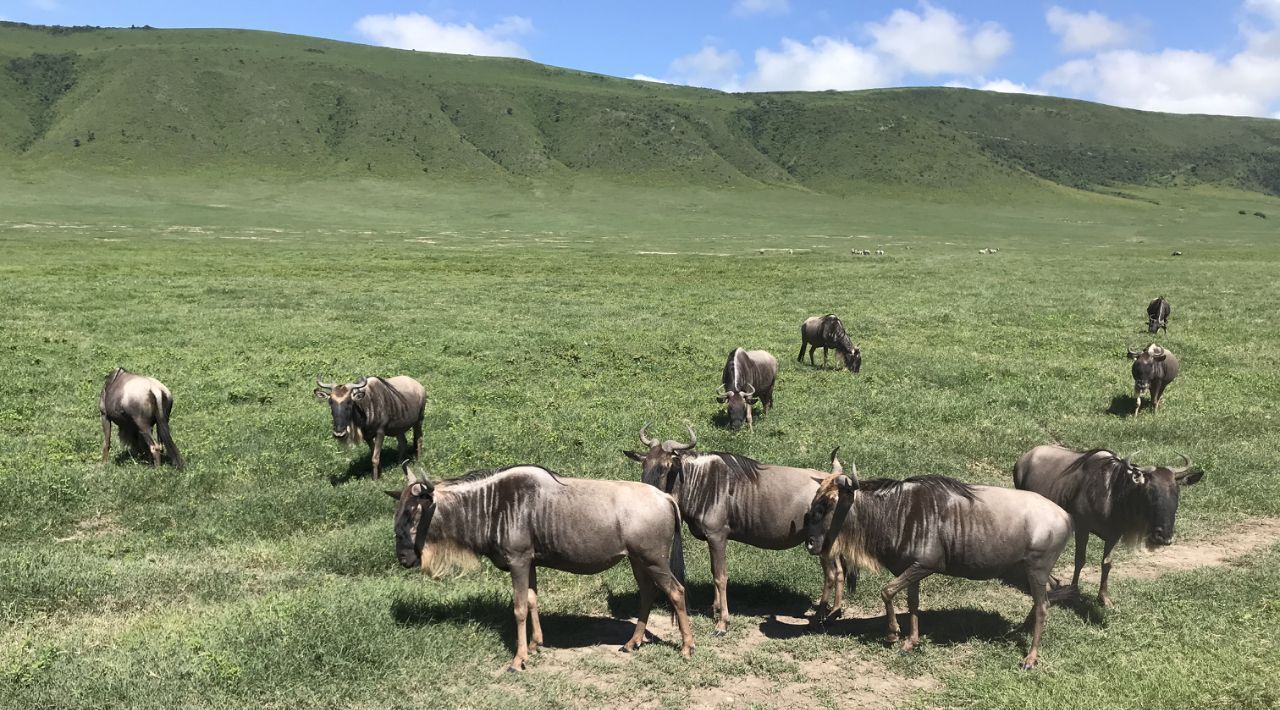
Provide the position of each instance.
(1004, 86)
(936, 42)
(1246, 83)
(743, 8)
(646, 77)
(708, 67)
(1086, 31)
(824, 63)
(415, 31)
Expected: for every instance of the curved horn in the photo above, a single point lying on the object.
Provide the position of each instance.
(721, 390)
(359, 385)
(672, 446)
(1129, 459)
(325, 385)
(1133, 353)
(408, 472)
(836, 468)
(644, 439)
(1186, 464)
(751, 393)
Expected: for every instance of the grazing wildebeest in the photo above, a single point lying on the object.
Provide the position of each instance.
(1158, 315)
(136, 403)
(748, 376)
(727, 497)
(373, 408)
(937, 525)
(1107, 496)
(1153, 370)
(828, 332)
(525, 517)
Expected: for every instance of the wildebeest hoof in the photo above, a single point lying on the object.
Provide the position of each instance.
(513, 669)
(717, 633)
(624, 649)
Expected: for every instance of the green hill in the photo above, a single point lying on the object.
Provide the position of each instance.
(231, 102)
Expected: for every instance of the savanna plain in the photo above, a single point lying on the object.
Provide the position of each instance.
(547, 327)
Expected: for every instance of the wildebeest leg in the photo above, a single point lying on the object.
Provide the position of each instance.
(1137, 402)
(1082, 547)
(913, 609)
(751, 425)
(648, 591)
(417, 440)
(376, 454)
(800, 358)
(832, 588)
(536, 642)
(720, 578)
(1038, 585)
(404, 445)
(1157, 391)
(661, 575)
(824, 357)
(520, 571)
(106, 437)
(144, 432)
(913, 574)
(811, 349)
(1107, 547)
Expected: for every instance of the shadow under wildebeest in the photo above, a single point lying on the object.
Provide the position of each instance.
(752, 599)
(941, 627)
(1122, 405)
(562, 630)
(362, 466)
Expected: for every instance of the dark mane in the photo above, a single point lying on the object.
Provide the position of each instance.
(390, 387)
(726, 377)
(935, 485)
(479, 474)
(739, 466)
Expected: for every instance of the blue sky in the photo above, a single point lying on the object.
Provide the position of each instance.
(1207, 56)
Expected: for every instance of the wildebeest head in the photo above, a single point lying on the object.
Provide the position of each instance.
(830, 505)
(1145, 363)
(738, 403)
(1157, 314)
(1161, 486)
(852, 358)
(342, 399)
(661, 463)
(413, 517)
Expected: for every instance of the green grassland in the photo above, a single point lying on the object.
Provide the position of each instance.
(554, 284)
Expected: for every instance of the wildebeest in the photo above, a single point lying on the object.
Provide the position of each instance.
(748, 376)
(1153, 370)
(373, 408)
(1158, 315)
(1107, 496)
(525, 517)
(727, 497)
(136, 403)
(937, 525)
(828, 332)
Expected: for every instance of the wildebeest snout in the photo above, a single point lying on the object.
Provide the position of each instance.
(408, 559)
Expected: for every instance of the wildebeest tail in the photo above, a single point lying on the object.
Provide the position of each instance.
(164, 406)
(677, 548)
(1058, 591)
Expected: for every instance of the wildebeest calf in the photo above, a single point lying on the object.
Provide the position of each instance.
(525, 517)
(933, 524)
(1153, 370)
(137, 403)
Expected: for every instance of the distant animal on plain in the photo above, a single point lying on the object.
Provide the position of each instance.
(136, 403)
(828, 332)
(373, 408)
(1158, 315)
(526, 517)
(1153, 370)
(727, 497)
(748, 376)
(1108, 496)
(937, 525)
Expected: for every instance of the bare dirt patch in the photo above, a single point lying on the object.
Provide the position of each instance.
(1225, 546)
(99, 526)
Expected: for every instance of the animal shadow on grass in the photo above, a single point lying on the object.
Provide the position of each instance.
(720, 419)
(751, 599)
(1122, 405)
(362, 467)
(943, 627)
(560, 630)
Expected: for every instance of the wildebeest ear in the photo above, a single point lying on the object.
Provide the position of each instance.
(633, 456)
(418, 490)
(320, 394)
(393, 494)
(358, 394)
(1190, 479)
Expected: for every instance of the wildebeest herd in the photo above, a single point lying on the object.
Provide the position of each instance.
(525, 517)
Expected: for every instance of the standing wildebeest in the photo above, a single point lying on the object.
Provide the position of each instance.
(828, 332)
(1158, 315)
(1106, 495)
(373, 408)
(136, 403)
(934, 524)
(1153, 370)
(727, 497)
(748, 375)
(525, 517)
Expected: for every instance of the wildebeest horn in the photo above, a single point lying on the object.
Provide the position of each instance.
(1186, 464)
(751, 393)
(363, 381)
(644, 439)
(408, 472)
(671, 446)
(325, 385)
(1133, 353)
(720, 390)
(836, 468)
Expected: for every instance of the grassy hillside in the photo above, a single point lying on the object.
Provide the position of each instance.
(219, 102)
